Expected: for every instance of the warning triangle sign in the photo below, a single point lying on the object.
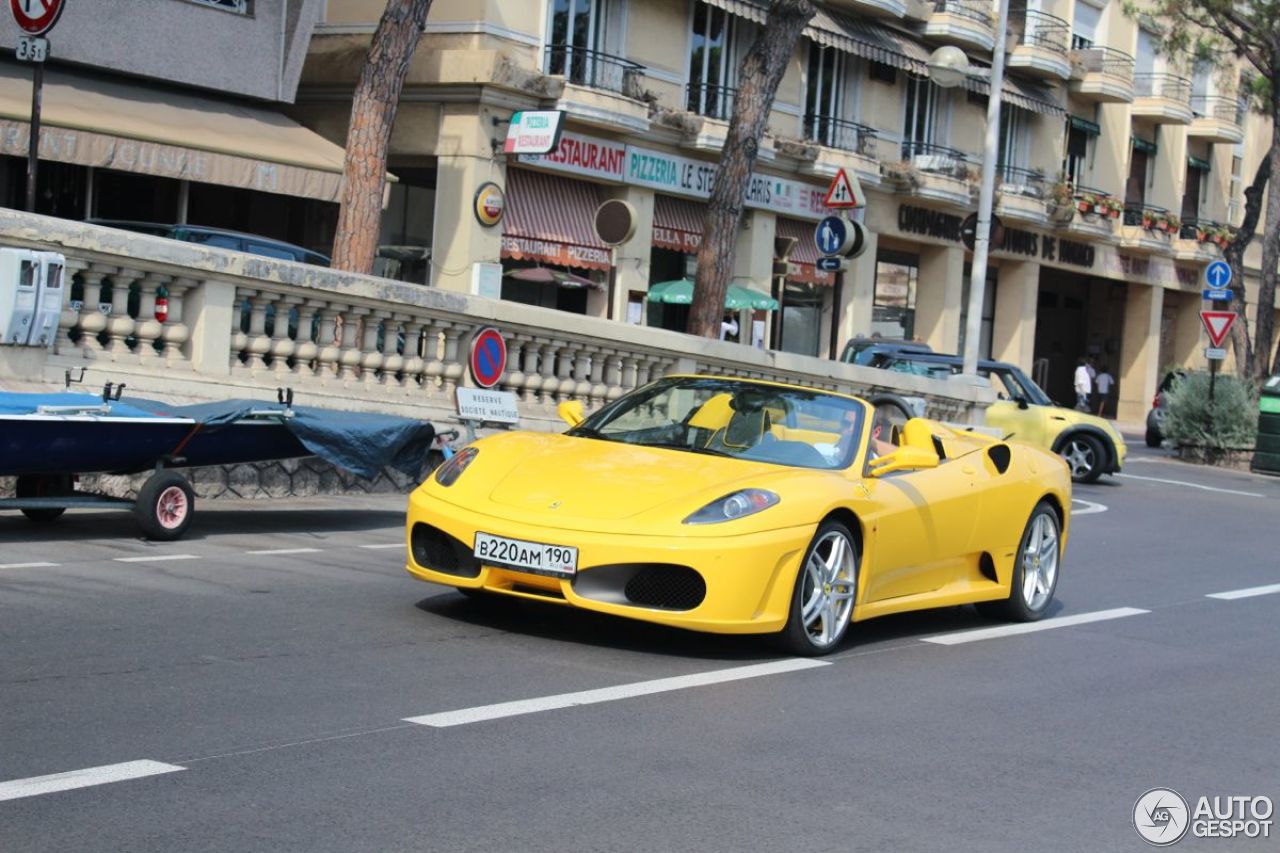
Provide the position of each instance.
(1217, 324)
(841, 192)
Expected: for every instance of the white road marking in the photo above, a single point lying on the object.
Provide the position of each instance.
(286, 551)
(1192, 485)
(86, 778)
(1232, 594)
(1089, 507)
(27, 565)
(1029, 627)
(159, 558)
(610, 694)
(384, 545)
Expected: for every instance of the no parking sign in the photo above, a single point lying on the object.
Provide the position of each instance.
(488, 358)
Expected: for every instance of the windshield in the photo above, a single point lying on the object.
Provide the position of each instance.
(1018, 386)
(737, 418)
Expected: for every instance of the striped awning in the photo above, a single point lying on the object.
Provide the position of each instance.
(551, 218)
(1083, 124)
(677, 224)
(900, 49)
(805, 253)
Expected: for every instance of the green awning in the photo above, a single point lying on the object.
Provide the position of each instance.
(737, 298)
(1083, 124)
(1197, 163)
(1143, 145)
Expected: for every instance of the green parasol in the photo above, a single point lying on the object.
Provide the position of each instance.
(737, 298)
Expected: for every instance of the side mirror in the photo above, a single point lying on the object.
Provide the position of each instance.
(570, 411)
(903, 459)
(1023, 404)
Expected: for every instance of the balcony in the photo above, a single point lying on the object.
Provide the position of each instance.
(1162, 98)
(843, 145)
(1021, 194)
(965, 23)
(1201, 240)
(1038, 44)
(1148, 229)
(871, 8)
(706, 124)
(599, 89)
(1217, 118)
(1085, 212)
(933, 171)
(1102, 74)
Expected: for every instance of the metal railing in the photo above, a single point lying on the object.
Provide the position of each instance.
(1221, 107)
(1201, 230)
(1040, 29)
(593, 69)
(1136, 213)
(838, 133)
(974, 10)
(1162, 85)
(710, 100)
(1106, 60)
(1017, 180)
(937, 159)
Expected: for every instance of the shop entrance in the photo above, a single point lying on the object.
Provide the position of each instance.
(1077, 315)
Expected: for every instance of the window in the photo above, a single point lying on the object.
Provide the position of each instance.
(1234, 208)
(882, 73)
(580, 33)
(718, 41)
(1079, 132)
(893, 312)
(825, 90)
(1013, 136)
(1084, 28)
(920, 124)
(1193, 190)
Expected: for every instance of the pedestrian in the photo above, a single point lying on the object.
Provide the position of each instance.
(729, 328)
(1083, 385)
(1105, 382)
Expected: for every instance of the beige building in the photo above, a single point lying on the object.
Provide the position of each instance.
(1116, 170)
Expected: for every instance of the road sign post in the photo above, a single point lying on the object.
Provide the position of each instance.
(35, 18)
(841, 194)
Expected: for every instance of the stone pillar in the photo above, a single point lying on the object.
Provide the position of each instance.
(211, 313)
(938, 295)
(1188, 332)
(858, 296)
(631, 259)
(465, 162)
(1139, 351)
(753, 265)
(1013, 336)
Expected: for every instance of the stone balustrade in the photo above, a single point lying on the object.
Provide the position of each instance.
(242, 326)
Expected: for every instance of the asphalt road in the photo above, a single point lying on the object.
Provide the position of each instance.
(248, 689)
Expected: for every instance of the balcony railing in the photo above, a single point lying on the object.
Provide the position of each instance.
(710, 100)
(1149, 217)
(1039, 29)
(1221, 107)
(838, 133)
(1205, 231)
(1106, 60)
(974, 10)
(1016, 180)
(594, 69)
(937, 159)
(1162, 85)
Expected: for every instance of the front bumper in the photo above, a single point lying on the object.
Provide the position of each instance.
(748, 578)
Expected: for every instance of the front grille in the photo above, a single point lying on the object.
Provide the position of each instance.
(667, 587)
(434, 549)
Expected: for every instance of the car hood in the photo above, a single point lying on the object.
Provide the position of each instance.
(568, 481)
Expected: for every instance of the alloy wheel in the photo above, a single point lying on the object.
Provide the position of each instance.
(830, 583)
(1080, 456)
(1040, 562)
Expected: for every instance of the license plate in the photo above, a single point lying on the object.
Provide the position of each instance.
(536, 557)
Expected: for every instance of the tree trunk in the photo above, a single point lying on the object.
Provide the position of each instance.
(1265, 326)
(373, 114)
(762, 70)
(1241, 344)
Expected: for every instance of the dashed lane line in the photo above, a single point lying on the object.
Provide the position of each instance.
(156, 558)
(281, 551)
(88, 777)
(482, 713)
(383, 545)
(1089, 507)
(1233, 594)
(1192, 485)
(959, 637)
(28, 565)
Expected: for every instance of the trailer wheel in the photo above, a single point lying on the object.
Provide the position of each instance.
(43, 486)
(164, 506)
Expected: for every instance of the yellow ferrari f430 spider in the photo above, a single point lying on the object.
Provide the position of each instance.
(738, 506)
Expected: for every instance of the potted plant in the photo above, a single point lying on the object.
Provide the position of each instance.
(1112, 207)
(1172, 224)
(1085, 202)
(1061, 206)
(1150, 219)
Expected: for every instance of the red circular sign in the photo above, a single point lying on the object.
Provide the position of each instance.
(488, 357)
(36, 17)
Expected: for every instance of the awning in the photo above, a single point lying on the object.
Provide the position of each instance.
(108, 124)
(880, 43)
(1146, 146)
(543, 275)
(805, 253)
(551, 218)
(1083, 124)
(1197, 163)
(677, 224)
(736, 298)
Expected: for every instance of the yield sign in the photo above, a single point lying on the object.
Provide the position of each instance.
(1217, 324)
(841, 192)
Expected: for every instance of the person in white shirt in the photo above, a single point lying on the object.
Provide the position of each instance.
(729, 328)
(1105, 382)
(1083, 384)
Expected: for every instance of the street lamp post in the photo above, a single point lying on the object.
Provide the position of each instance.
(948, 67)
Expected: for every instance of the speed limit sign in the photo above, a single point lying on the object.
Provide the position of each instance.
(36, 17)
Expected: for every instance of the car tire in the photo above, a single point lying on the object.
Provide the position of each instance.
(1085, 456)
(824, 593)
(1039, 551)
(42, 486)
(1153, 438)
(164, 506)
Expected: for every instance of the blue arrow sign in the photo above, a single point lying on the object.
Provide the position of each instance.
(829, 264)
(830, 235)
(1217, 295)
(1218, 274)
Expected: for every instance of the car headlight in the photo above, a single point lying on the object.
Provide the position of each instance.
(449, 472)
(732, 506)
